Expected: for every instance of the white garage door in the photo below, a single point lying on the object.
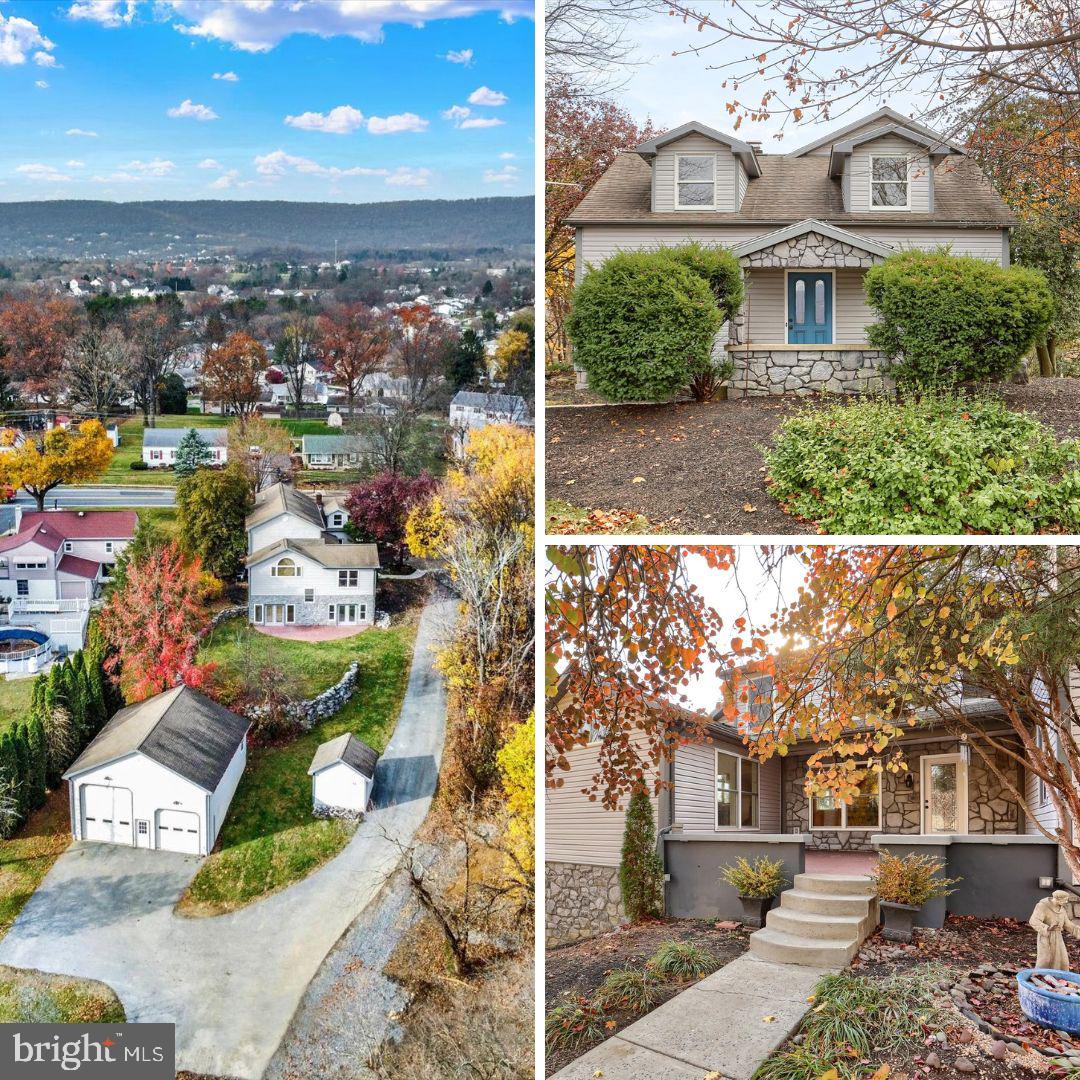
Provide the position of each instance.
(106, 814)
(178, 830)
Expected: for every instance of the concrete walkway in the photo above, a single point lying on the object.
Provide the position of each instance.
(728, 1024)
(231, 984)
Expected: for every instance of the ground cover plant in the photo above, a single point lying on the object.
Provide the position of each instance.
(32, 997)
(926, 464)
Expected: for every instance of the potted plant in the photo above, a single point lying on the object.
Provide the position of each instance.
(903, 887)
(756, 883)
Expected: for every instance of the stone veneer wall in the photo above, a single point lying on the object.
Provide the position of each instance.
(990, 807)
(788, 371)
(581, 901)
(811, 251)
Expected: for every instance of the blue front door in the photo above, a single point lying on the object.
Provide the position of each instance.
(809, 308)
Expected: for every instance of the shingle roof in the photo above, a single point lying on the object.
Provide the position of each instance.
(167, 438)
(325, 552)
(86, 524)
(283, 499)
(788, 190)
(513, 404)
(181, 729)
(347, 748)
(72, 564)
(331, 444)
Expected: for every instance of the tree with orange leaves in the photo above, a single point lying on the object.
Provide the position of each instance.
(423, 343)
(353, 343)
(45, 459)
(34, 336)
(230, 375)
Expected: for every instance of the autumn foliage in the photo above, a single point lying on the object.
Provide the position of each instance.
(44, 460)
(231, 374)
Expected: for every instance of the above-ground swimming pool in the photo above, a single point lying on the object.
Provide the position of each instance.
(22, 649)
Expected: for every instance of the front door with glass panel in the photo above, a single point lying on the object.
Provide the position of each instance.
(809, 308)
(944, 794)
(279, 614)
(346, 613)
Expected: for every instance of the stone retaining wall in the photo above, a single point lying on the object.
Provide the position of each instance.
(787, 371)
(581, 901)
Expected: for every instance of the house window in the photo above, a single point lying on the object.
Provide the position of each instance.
(108, 547)
(309, 595)
(863, 812)
(889, 181)
(1040, 742)
(738, 787)
(68, 545)
(348, 579)
(22, 587)
(290, 613)
(696, 183)
(155, 455)
(363, 612)
(336, 521)
(285, 568)
(143, 827)
(258, 613)
(31, 564)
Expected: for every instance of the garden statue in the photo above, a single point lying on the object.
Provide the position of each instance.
(1050, 920)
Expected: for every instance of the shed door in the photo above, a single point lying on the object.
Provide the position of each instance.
(178, 830)
(809, 308)
(106, 814)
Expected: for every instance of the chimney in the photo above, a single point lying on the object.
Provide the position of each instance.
(318, 499)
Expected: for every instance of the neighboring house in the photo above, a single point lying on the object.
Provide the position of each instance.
(299, 571)
(380, 386)
(342, 775)
(805, 226)
(160, 444)
(331, 451)
(160, 774)
(718, 803)
(470, 409)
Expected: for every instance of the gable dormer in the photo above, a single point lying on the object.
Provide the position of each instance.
(884, 163)
(697, 169)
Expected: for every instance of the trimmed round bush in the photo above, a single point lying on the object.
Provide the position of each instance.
(717, 267)
(641, 325)
(941, 464)
(949, 319)
(138, 465)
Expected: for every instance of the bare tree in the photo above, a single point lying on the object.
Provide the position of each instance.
(263, 450)
(295, 351)
(585, 40)
(158, 338)
(394, 440)
(98, 368)
(423, 342)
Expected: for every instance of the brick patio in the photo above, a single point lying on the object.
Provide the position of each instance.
(310, 633)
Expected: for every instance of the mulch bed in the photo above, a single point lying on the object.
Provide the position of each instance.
(697, 468)
(579, 969)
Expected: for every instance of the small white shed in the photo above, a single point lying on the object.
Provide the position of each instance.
(160, 774)
(342, 775)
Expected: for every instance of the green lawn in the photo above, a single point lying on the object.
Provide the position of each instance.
(32, 997)
(270, 838)
(130, 449)
(14, 701)
(27, 857)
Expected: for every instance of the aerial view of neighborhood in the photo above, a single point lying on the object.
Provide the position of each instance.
(267, 345)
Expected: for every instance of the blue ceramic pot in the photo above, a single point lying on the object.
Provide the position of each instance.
(1046, 1007)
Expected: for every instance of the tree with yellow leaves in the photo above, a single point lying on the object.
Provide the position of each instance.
(518, 769)
(45, 459)
(511, 352)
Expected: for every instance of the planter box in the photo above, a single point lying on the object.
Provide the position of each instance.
(897, 920)
(754, 910)
(1052, 1010)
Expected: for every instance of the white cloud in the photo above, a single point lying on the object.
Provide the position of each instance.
(48, 174)
(481, 122)
(41, 84)
(484, 95)
(406, 177)
(507, 156)
(226, 76)
(73, 164)
(279, 163)
(81, 132)
(460, 56)
(341, 120)
(508, 174)
(188, 108)
(110, 13)
(226, 180)
(395, 125)
(44, 59)
(210, 163)
(457, 113)
(19, 38)
(259, 25)
(157, 167)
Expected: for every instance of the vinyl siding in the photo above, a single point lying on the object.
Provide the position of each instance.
(578, 830)
(664, 172)
(765, 299)
(743, 180)
(982, 243)
(870, 125)
(695, 787)
(919, 201)
(853, 315)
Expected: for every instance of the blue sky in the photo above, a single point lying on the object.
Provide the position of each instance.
(327, 100)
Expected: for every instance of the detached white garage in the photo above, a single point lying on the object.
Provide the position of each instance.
(342, 775)
(160, 774)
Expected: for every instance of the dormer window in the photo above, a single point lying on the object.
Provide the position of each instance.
(696, 187)
(889, 181)
(285, 568)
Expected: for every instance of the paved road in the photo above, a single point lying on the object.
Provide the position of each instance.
(102, 495)
(231, 984)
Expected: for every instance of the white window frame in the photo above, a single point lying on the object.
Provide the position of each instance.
(309, 596)
(961, 791)
(844, 826)
(363, 613)
(257, 616)
(740, 758)
(108, 547)
(68, 546)
(678, 183)
(336, 520)
(298, 570)
(906, 182)
(22, 587)
(344, 579)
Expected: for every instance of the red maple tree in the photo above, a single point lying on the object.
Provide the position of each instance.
(378, 509)
(353, 343)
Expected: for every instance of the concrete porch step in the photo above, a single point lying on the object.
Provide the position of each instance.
(806, 924)
(836, 884)
(785, 948)
(826, 903)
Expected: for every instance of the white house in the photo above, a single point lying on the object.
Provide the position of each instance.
(331, 451)
(160, 445)
(159, 774)
(299, 571)
(342, 775)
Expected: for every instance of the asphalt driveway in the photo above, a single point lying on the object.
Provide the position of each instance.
(231, 983)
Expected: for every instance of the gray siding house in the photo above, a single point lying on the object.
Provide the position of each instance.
(805, 227)
(719, 803)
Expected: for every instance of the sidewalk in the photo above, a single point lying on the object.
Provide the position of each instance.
(728, 1024)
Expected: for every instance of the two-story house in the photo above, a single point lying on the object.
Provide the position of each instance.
(470, 409)
(300, 572)
(805, 226)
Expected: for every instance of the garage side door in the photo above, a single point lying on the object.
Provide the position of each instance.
(106, 814)
(178, 830)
